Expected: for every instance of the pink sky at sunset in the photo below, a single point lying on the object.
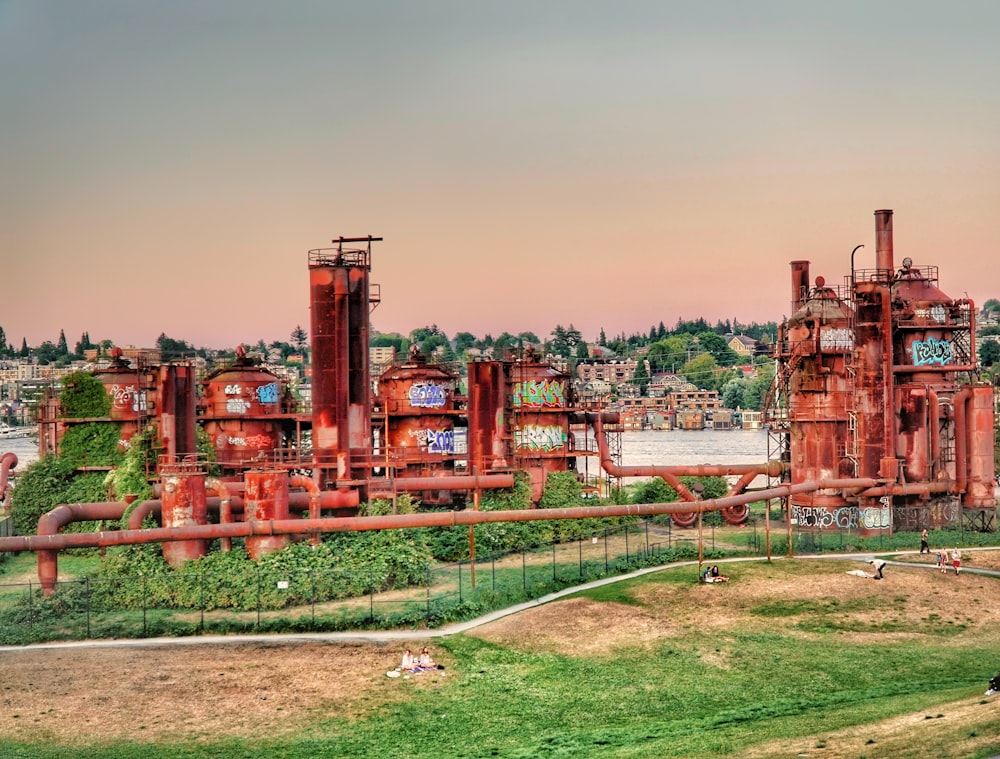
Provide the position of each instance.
(166, 166)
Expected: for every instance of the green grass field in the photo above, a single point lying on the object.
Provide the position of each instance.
(789, 656)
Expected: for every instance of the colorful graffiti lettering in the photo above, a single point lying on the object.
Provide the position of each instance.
(538, 438)
(535, 394)
(260, 442)
(426, 395)
(932, 351)
(236, 406)
(268, 393)
(844, 518)
(234, 390)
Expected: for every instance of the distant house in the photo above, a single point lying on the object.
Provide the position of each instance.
(743, 346)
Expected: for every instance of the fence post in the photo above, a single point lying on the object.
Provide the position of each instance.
(145, 628)
(31, 607)
(579, 545)
(605, 550)
(554, 578)
(493, 570)
(429, 580)
(460, 582)
(201, 599)
(257, 573)
(86, 587)
(312, 594)
(524, 572)
(626, 545)
(646, 523)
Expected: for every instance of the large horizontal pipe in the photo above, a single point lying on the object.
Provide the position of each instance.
(449, 482)
(400, 521)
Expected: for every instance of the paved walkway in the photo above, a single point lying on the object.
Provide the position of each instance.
(388, 636)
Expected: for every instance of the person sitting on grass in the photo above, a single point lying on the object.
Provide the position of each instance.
(426, 662)
(716, 577)
(409, 663)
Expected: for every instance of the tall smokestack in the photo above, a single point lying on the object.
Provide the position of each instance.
(883, 242)
(800, 283)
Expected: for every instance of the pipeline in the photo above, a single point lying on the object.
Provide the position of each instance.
(671, 475)
(50, 542)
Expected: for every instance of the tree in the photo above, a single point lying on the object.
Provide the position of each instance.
(564, 340)
(299, 338)
(62, 346)
(701, 370)
(464, 341)
(602, 339)
(171, 349)
(989, 353)
(24, 347)
(640, 378)
(733, 393)
(582, 351)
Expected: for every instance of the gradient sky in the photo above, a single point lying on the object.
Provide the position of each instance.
(166, 166)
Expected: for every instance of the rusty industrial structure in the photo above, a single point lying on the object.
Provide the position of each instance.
(876, 421)
(876, 380)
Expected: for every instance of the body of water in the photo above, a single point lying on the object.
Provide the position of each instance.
(25, 448)
(687, 448)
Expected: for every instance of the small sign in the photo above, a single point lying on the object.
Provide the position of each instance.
(282, 584)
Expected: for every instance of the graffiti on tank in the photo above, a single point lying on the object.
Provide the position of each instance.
(836, 339)
(128, 396)
(426, 395)
(932, 351)
(234, 390)
(268, 393)
(535, 437)
(844, 518)
(877, 517)
(535, 394)
(434, 441)
(239, 442)
(236, 406)
(936, 312)
(260, 442)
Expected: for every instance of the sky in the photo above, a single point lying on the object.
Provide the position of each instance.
(165, 167)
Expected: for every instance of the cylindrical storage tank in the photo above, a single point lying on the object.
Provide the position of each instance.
(419, 405)
(539, 420)
(183, 505)
(265, 498)
(240, 406)
(820, 398)
(126, 389)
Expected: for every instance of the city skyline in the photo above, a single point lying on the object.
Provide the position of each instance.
(168, 166)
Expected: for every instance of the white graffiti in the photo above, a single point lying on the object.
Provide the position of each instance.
(128, 396)
(236, 406)
(836, 339)
(233, 390)
(537, 437)
(877, 517)
(844, 518)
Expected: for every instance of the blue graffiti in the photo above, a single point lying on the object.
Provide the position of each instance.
(425, 395)
(932, 351)
(268, 393)
(440, 441)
